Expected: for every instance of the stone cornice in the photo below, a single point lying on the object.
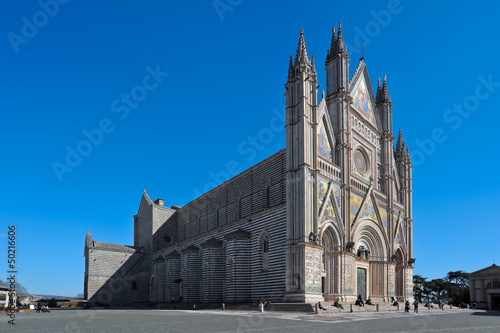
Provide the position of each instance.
(239, 234)
(212, 243)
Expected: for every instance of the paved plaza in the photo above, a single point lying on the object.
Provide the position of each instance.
(125, 321)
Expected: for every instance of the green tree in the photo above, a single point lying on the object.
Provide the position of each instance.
(435, 290)
(418, 282)
(427, 291)
(458, 287)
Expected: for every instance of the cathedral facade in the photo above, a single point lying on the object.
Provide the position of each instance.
(327, 218)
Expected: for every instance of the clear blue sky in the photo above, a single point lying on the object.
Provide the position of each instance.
(226, 72)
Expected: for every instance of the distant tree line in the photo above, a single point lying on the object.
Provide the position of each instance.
(452, 289)
(19, 287)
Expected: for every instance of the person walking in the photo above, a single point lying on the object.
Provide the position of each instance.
(415, 307)
(407, 307)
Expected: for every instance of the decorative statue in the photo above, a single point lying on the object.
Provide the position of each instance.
(362, 251)
(313, 237)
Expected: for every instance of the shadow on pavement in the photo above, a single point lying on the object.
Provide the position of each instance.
(486, 313)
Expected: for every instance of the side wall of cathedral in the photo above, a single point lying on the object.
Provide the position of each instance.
(228, 244)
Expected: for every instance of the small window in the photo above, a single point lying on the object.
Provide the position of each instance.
(240, 211)
(167, 238)
(217, 217)
(134, 285)
(229, 269)
(264, 241)
(268, 196)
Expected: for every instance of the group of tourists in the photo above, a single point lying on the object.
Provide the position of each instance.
(337, 305)
(263, 302)
(360, 302)
(407, 306)
(464, 305)
(42, 308)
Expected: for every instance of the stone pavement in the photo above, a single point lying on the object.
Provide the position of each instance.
(125, 321)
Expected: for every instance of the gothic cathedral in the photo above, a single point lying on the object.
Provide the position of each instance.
(327, 218)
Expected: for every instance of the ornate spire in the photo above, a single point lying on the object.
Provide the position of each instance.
(334, 39)
(333, 44)
(378, 98)
(408, 159)
(400, 146)
(290, 67)
(340, 39)
(337, 44)
(383, 93)
(313, 64)
(302, 56)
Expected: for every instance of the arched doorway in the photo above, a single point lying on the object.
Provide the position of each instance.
(371, 252)
(399, 276)
(152, 289)
(330, 260)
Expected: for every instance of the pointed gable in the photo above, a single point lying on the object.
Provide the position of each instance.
(324, 147)
(383, 216)
(368, 211)
(397, 241)
(328, 212)
(362, 95)
(145, 203)
(337, 195)
(322, 192)
(487, 271)
(356, 202)
(399, 235)
(325, 143)
(362, 102)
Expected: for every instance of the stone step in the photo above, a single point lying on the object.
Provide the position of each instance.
(367, 308)
(290, 307)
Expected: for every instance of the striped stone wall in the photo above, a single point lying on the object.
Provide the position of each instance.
(235, 200)
(227, 265)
